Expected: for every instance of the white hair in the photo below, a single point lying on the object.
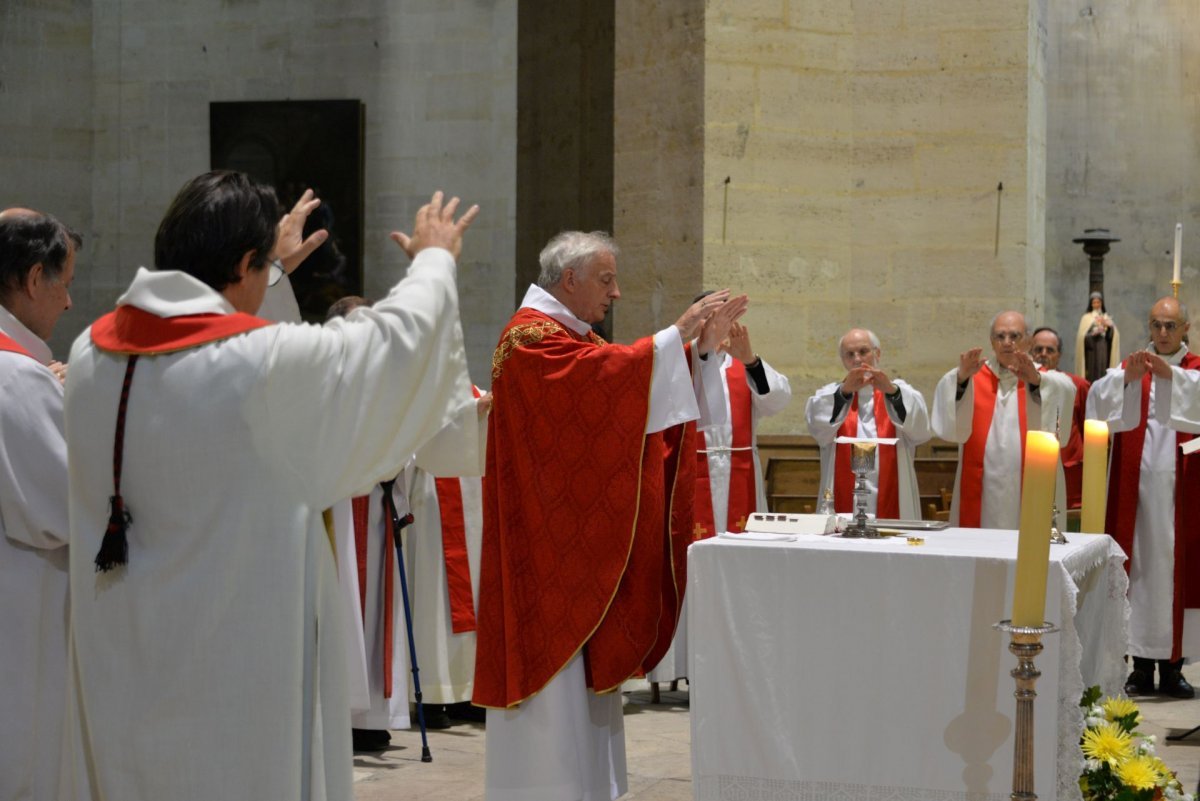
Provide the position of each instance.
(870, 335)
(571, 250)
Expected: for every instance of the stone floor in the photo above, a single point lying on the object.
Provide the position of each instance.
(657, 748)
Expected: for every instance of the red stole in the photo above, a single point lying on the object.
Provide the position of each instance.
(10, 345)
(743, 491)
(586, 517)
(129, 329)
(970, 485)
(454, 551)
(887, 505)
(362, 516)
(1123, 491)
(454, 554)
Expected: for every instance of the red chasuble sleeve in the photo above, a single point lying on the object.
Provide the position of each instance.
(582, 511)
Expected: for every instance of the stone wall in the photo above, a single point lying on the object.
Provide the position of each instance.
(863, 143)
(46, 125)
(1124, 154)
(438, 81)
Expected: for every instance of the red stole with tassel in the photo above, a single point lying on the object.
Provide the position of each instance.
(970, 485)
(887, 504)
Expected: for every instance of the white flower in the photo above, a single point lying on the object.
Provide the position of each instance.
(1150, 738)
(1093, 722)
(1092, 764)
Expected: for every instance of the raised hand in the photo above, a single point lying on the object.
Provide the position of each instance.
(1158, 366)
(856, 379)
(693, 319)
(969, 363)
(880, 380)
(1136, 366)
(483, 404)
(1023, 366)
(291, 247)
(716, 327)
(739, 344)
(435, 227)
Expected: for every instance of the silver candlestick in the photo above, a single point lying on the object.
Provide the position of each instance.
(862, 461)
(1056, 535)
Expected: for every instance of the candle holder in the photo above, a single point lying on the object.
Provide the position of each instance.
(1025, 645)
(862, 461)
(1056, 535)
(1175, 288)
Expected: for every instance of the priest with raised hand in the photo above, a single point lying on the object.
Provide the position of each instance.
(987, 406)
(587, 517)
(1152, 404)
(37, 264)
(207, 642)
(868, 402)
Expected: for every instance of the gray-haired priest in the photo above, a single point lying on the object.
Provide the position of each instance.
(868, 402)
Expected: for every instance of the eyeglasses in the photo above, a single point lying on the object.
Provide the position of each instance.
(1168, 327)
(1007, 336)
(276, 272)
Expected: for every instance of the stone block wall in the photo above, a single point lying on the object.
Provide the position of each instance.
(46, 124)
(438, 81)
(863, 144)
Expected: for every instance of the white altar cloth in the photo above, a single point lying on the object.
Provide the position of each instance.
(830, 668)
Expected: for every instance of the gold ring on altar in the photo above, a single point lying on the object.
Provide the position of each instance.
(915, 540)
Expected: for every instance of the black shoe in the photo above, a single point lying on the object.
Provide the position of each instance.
(1171, 681)
(466, 711)
(435, 716)
(1139, 683)
(370, 739)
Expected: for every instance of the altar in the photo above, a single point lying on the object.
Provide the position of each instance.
(828, 668)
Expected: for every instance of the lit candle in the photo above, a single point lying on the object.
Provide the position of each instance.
(1033, 545)
(1178, 251)
(1095, 474)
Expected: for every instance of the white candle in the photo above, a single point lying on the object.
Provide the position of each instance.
(1178, 251)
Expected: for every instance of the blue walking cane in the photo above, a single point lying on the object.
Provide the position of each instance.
(398, 525)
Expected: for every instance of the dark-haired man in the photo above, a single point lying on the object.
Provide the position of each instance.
(206, 628)
(37, 264)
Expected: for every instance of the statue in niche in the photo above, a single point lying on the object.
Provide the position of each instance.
(1098, 343)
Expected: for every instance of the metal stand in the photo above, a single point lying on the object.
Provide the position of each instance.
(1056, 536)
(1185, 735)
(1026, 644)
(862, 461)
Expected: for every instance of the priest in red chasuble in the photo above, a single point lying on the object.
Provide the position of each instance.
(869, 402)
(987, 406)
(587, 516)
(1152, 405)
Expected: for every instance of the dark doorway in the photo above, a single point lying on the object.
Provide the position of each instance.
(296, 145)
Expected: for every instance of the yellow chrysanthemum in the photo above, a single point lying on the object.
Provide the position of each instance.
(1107, 743)
(1120, 707)
(1138, 773)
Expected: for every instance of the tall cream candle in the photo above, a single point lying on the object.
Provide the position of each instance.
(1033, 546)
(1178, 252)
(1095, 475)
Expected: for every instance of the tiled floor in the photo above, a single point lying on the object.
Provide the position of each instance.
(657, 748)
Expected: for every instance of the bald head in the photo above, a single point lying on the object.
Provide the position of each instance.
(17, 211)
(1168, 325)
(859, 347)
(1009, 334)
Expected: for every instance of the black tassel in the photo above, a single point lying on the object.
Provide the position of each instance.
(114, 549)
